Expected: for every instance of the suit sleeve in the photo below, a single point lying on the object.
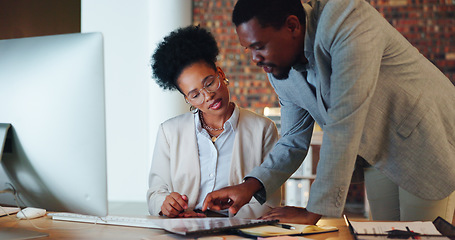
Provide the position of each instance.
(159, 177)
(270, 138)
(349, 38)
(289, 151)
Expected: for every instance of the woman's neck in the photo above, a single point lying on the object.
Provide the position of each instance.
(217, 121)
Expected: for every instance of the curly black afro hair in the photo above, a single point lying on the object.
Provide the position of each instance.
(180, 49)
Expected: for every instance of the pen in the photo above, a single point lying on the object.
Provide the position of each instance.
(409, 230)
(285, 226)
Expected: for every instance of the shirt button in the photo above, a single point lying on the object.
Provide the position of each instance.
(211, 175)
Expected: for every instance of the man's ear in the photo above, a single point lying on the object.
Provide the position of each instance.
(293, 24)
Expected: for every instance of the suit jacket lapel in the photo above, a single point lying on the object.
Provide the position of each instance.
(306, 98)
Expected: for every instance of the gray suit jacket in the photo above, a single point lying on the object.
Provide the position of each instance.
(374, 96)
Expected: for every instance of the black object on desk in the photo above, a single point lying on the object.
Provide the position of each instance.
(444, 227)
(400, 234)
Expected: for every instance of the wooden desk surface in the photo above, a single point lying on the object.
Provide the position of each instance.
(74, 230)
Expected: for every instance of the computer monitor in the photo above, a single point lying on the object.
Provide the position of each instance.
(52, 97)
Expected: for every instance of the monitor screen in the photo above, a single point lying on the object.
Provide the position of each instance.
(52, 97)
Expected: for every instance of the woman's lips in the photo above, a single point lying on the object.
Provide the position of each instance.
(215, 105)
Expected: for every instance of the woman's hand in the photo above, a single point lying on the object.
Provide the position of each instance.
(191, 214)
(174, 204)
(292, 215)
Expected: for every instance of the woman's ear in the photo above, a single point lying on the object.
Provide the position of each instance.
(221, 72)
(223, 76)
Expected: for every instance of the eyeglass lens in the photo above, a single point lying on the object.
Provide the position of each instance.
(211, 84)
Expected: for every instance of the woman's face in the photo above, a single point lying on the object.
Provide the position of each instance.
(199, 75)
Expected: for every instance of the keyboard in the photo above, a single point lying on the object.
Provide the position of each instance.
(143, 222)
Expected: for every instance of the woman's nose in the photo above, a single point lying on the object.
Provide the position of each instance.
(208, 95)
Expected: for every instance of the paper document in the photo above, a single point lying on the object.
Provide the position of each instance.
(372, 228)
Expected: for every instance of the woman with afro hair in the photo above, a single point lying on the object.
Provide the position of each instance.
(211, 147)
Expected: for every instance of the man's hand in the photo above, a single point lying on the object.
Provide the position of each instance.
(174, 204)
(292, 215)
(233, 197)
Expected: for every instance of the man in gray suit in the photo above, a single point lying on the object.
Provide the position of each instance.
(384, 108)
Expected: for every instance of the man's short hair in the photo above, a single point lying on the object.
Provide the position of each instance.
(268, 12)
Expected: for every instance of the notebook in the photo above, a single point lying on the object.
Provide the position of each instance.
(286, 229)
(201, 226)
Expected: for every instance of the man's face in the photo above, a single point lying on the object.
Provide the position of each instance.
(275, 50)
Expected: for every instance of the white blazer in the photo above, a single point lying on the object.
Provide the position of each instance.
(175, 163)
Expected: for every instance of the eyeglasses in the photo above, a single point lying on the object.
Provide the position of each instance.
(212, 84)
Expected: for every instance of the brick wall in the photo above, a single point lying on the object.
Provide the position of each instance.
(428, 24)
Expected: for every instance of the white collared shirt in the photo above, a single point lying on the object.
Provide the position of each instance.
(215, 158)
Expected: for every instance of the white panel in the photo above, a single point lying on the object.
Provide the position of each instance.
(131, 30)
(164, 18)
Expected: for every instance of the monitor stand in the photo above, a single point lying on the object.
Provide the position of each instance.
(14, 233)
(3, 132)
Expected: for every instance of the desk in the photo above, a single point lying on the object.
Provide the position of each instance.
(74, 230)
